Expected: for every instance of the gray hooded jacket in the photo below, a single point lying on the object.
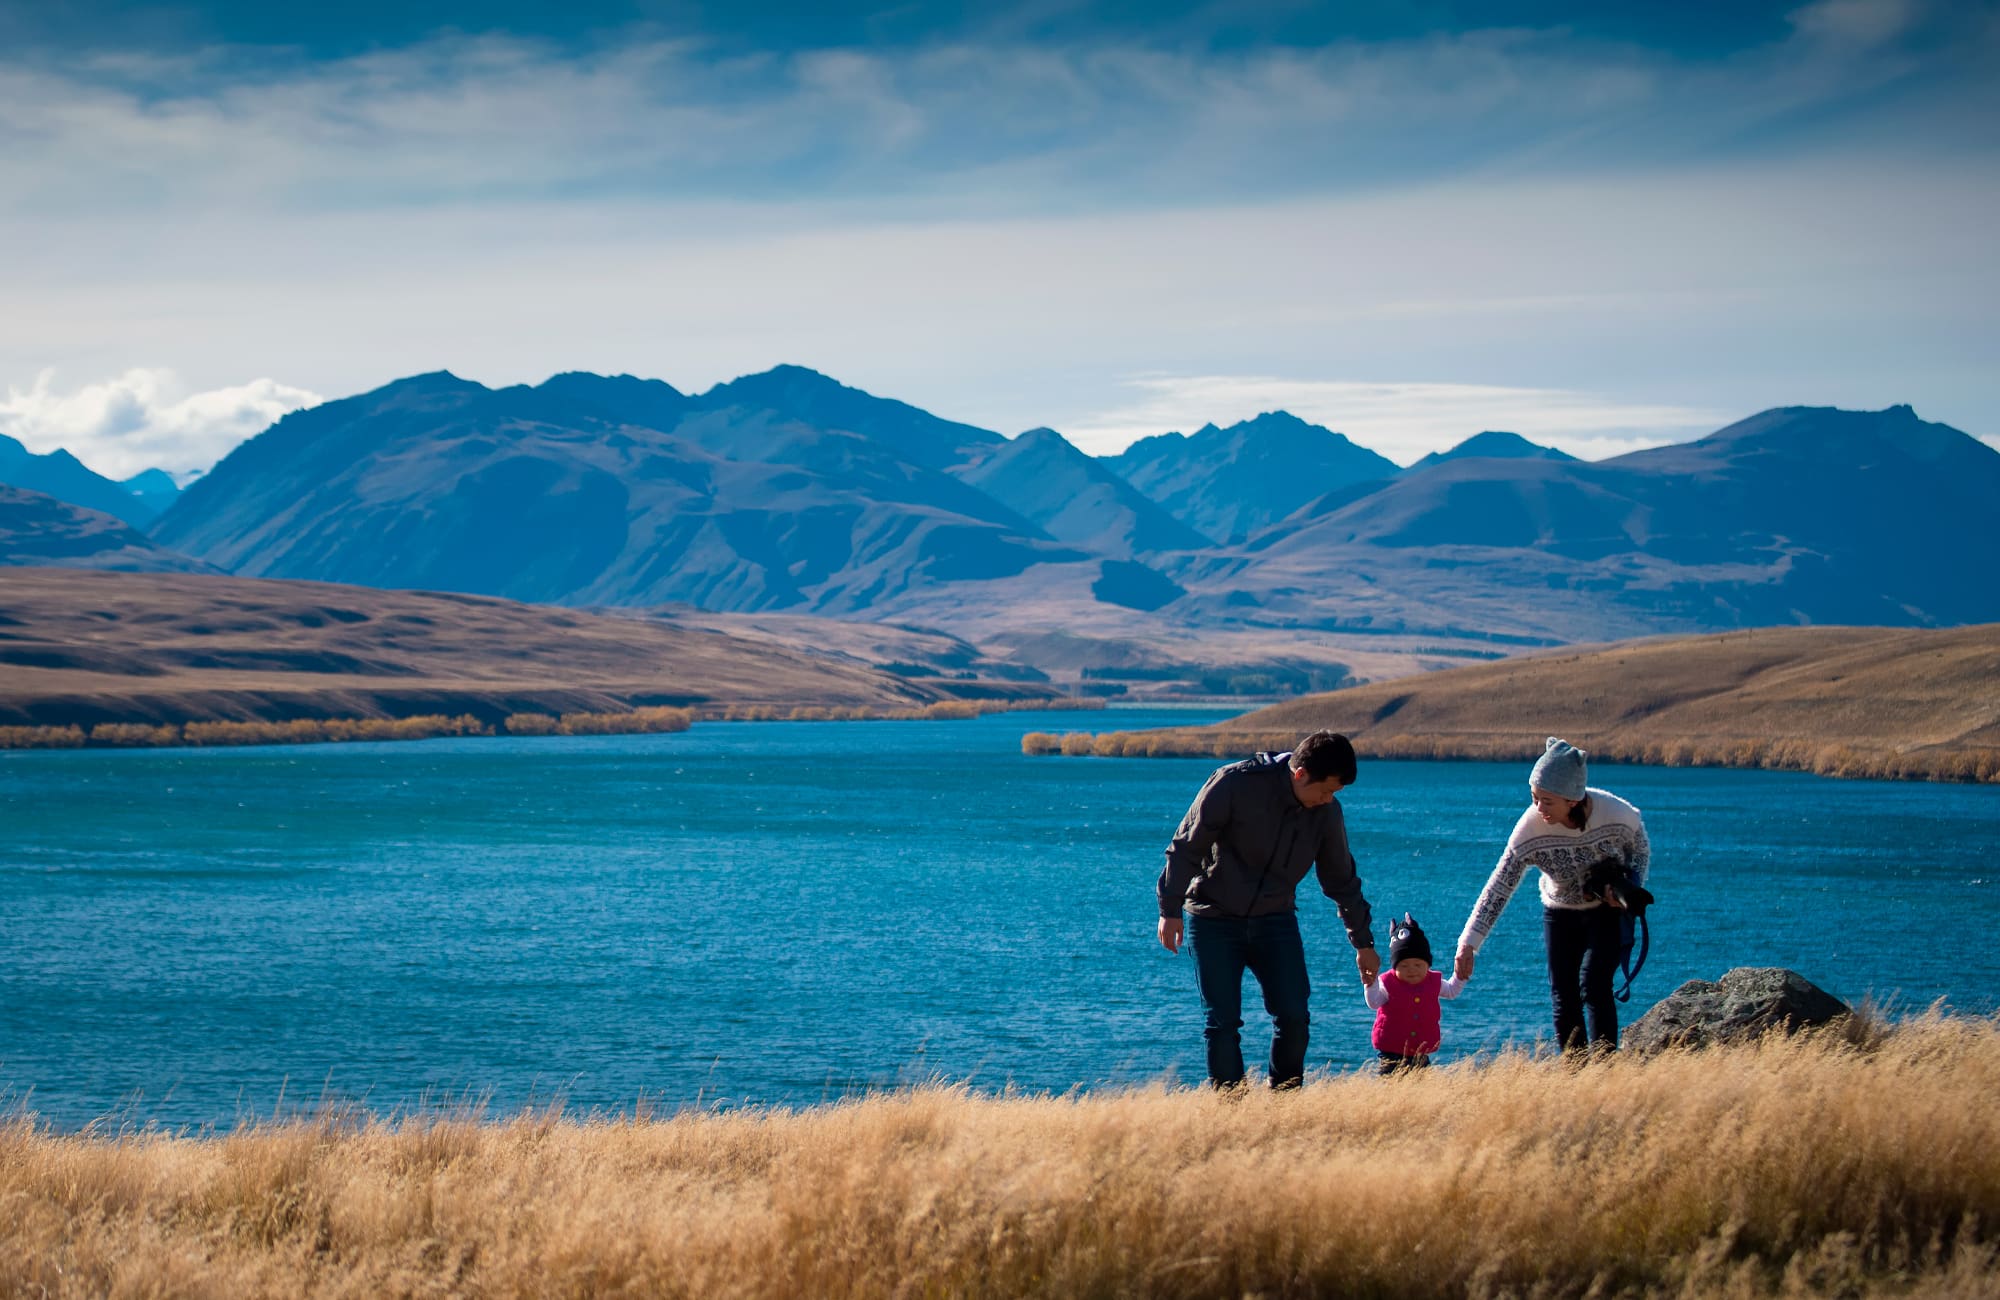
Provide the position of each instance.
(1247, 842)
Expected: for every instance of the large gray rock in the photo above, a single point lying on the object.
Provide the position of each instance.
(1748, 1002)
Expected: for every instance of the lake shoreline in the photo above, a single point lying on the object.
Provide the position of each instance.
(210, 734)
(1975, 767)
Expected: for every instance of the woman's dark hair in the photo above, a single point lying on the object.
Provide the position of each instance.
(1325, 754)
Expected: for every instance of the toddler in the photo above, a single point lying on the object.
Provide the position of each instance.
(1408, 1024)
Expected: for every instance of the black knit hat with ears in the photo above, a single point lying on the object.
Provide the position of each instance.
(1407, 941)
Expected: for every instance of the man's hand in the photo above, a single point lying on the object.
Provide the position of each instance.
(1368, 964)
(1461, 965)
(1170, 933)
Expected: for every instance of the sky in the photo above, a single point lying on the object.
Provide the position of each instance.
(1603, 226)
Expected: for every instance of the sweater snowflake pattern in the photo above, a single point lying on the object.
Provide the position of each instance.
(1564, 855)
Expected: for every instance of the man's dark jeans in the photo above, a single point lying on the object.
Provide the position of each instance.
(1270, 948)
(1585, 946)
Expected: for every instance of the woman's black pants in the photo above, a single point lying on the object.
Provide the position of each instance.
(1585, 946)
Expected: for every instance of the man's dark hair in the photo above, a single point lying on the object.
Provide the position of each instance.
(1324, 754)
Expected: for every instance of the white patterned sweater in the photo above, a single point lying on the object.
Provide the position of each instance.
(1564, 855)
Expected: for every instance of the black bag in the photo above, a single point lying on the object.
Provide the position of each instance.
(1610, 877)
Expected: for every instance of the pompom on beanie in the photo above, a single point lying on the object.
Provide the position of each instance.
(1559, 770)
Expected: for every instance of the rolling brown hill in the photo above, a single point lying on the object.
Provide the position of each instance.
(1846, 701)
(87, 647)
(38, 529)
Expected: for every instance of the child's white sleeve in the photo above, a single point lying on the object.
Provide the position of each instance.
(1451, 988)
(1377, 996)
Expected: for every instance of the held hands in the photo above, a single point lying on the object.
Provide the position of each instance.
(1366, 960)
(1461, 965)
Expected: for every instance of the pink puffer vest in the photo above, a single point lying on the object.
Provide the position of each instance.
(1409, 1023)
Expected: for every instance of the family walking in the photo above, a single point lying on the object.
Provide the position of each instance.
(1257, 827)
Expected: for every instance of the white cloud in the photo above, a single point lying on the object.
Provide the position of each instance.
(1403, 421)
(1722, 289)
(144, 419)
(1855, 24)
(999, 232)
(1022, 127)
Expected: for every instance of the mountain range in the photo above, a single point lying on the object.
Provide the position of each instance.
(1229, 483)
(137, 500)
(789, 492)
(1797, 515)
(752, 498)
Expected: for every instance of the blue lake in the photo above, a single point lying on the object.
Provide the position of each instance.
(780, 913)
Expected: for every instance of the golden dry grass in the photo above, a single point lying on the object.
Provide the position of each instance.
(1804, 1166)
(311, 731)
(1861, 702)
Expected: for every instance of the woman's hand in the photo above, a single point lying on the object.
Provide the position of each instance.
(1461, 965)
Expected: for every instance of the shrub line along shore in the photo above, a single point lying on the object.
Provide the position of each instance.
(1837, 760)
(430, 726)
(1857, 1164)
(1891, 703)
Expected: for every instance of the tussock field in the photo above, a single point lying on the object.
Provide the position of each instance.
(1817, 1165)
(1841, 701)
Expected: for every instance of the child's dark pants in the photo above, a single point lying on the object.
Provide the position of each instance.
(1396, 1062)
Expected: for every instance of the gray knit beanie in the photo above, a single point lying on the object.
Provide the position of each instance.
(1559, 770)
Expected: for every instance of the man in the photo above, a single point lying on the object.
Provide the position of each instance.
(1235, 865)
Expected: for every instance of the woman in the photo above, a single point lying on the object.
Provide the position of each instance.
(1568, 828)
